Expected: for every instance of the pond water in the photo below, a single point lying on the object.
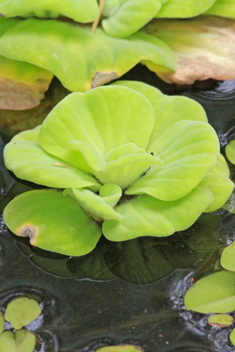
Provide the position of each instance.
(129, 292)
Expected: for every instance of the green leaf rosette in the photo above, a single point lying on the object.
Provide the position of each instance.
(123, 157)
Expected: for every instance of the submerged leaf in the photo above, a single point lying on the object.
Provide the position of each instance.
(52, 222)
(90, 59)
(204, 48)
(22, 311)
(212, 294)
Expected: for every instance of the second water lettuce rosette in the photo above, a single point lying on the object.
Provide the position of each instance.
(126, 161)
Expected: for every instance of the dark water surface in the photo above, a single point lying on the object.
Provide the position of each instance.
(129, 292)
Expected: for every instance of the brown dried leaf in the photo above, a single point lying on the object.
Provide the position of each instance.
(22, 85)
(204, 48)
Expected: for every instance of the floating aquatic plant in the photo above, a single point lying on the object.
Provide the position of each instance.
(19, 313)
(125, 157)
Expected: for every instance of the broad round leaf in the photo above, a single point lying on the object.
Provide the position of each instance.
(189, 149)
(184, 9)
(130, 17)
(225, 8)
(78, 10)
(232, 337)
(96, 120)
(52, 222)
(212, 294)
(230, 151)
(227, 259)
(90, 59)
(22, 311)
(148, 216)
(21, 341)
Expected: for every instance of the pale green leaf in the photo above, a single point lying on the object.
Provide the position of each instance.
(189, 150)
(232, 337)
(225, 8)
(220, 320)
(52, 222)
(78, 10)
(212, 294)
(227, 259)
(219, 183)
(130, 16)
(168, 110)
(184, 9)
(93, 204)
(96, 119)
(31, 163)
(21, 341)
(153, 94)
(22, 311)
(230, 151)
(148, 216)
(90, 59)
(111, 194)
(28, 135)
(2, 323)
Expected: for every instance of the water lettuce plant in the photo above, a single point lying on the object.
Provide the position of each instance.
(125, 158)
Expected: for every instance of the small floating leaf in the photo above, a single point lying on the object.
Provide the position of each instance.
(220, 320)
(21, 341)
(228, 257)
(232, 337)
(230, 151)
(21, 311)
(212, 294)
(122, 348)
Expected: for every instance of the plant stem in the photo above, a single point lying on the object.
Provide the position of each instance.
(95, 23)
